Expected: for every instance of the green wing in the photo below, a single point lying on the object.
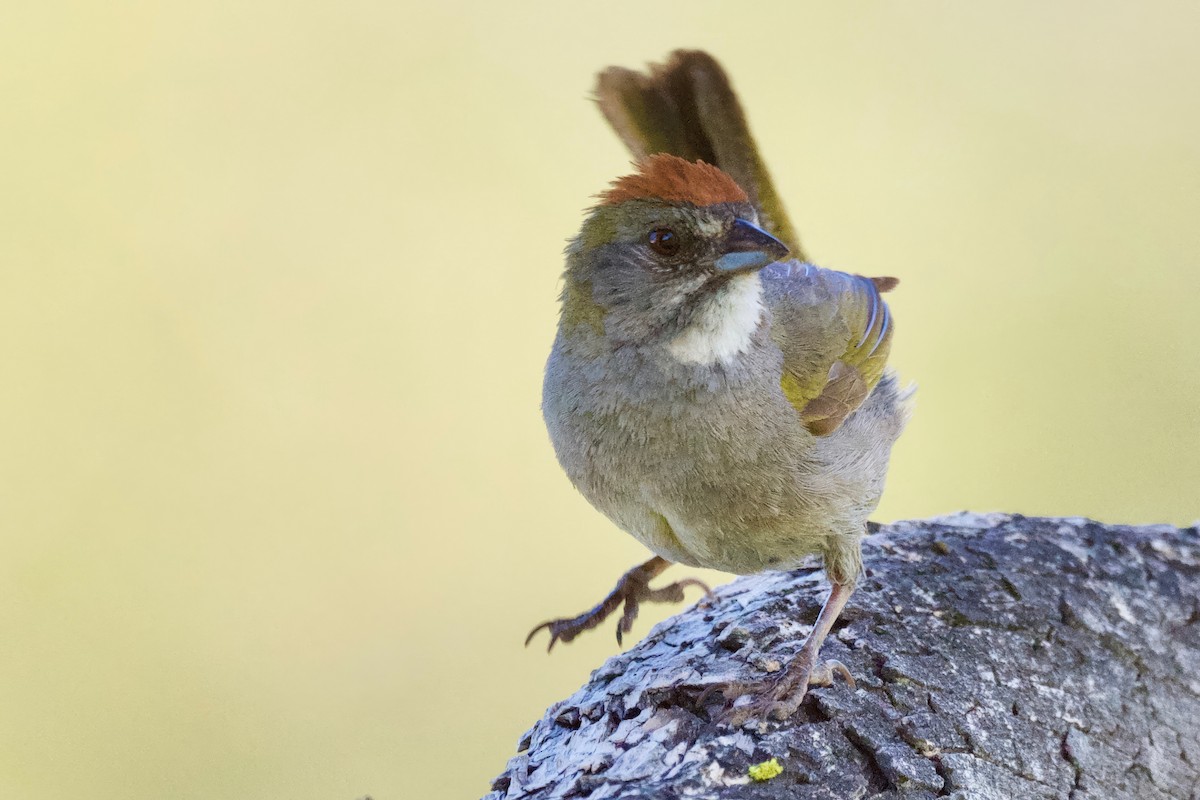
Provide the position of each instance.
(835, 331)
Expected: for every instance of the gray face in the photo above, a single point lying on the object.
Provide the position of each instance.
(650, 265)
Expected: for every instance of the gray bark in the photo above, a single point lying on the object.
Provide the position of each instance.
(996, 657)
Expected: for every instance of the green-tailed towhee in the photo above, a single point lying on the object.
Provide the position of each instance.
(726, 405)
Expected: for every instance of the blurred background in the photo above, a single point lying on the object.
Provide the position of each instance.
(277, 281)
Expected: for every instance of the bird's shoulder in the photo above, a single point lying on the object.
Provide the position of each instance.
(834, 330)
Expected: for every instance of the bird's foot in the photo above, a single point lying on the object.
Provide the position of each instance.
(632, 589)
(777, 698)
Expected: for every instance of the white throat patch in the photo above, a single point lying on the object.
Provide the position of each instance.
(723, 327)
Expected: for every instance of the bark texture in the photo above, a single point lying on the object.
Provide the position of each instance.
(996, 656)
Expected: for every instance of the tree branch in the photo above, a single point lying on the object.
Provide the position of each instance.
(996, 657)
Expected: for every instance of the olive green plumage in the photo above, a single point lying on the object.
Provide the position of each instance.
(687, 108)
(724, 404)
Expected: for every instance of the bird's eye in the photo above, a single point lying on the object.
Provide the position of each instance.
(663, 241)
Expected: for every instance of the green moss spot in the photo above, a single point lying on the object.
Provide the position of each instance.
(766, 770)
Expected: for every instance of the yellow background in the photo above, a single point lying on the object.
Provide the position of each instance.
(276, 285)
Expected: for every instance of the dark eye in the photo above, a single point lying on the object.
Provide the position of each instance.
(663, 241)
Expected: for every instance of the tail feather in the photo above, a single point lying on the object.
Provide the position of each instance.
(687, 107)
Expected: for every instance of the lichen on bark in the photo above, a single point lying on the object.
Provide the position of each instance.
(996, 657)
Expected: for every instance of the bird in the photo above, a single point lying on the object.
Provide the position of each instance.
(712, 392)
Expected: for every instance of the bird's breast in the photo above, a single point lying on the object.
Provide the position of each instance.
(715, 452)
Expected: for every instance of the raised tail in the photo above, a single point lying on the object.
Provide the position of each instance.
(686, 107)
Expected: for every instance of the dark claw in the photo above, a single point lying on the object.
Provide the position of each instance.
(841, 669)
(777, 705)
(702, 700)
(775, 699)
(730, 692)
(534, 632)
(559, 631)
(625, 623)
(631, 590)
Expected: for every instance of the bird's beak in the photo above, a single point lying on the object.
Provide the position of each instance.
(747, 247)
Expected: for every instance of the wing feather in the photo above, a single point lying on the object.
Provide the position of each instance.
(835, 331)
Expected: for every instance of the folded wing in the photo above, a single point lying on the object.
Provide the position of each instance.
(835, 331)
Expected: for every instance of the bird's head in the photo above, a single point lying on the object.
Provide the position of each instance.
(672, 249)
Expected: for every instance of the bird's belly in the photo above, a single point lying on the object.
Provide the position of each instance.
(751, 543)
(735, 547)
(735, 515)
(725, 479)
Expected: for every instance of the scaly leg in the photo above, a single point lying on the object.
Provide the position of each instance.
(632, 589)
(780, 698)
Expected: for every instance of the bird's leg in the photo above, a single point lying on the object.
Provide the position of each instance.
(781, 697)
(632, 589)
